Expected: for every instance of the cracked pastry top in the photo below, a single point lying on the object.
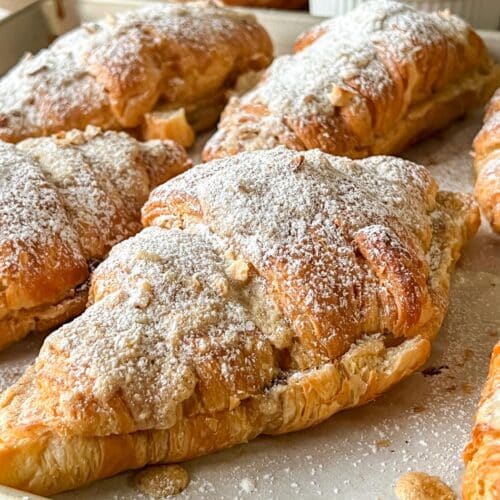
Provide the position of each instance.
(155, 70)
(267, 291)
(370, 82)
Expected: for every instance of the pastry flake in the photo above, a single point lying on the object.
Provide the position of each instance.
(421, 486)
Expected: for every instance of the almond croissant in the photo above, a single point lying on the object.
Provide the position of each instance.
(64, 202)
(370, 82)
(180, 58)
(270, 290)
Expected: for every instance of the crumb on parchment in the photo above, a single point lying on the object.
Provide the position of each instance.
(421, 486)
(162, 481)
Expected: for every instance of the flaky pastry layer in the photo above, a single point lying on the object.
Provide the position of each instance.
(482, 454)
(487, 163)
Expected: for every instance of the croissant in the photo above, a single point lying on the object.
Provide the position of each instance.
(156, 69)
(370, 82)
(487, 163)
(482, 454)
(268, 291)
(64, 201)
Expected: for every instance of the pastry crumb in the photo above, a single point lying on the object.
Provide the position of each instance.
(238, 270)
(467, 388)
(161, 481)
(421, 486)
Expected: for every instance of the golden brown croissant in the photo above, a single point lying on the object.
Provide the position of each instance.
(487, 163)
(64, 201)
(114, 72)
(482, 455)
(370, 82)
(270, 290)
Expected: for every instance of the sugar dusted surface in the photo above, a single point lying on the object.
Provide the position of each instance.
(422, 424)
(58, 87)
(23, 186)
(155, 263)
(164, 295)
(419, 425)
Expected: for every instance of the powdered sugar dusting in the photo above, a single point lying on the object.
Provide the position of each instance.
(352, 88)
(296, 216)
(348, 55)
(91, 212)
(377, 443)
(65, 200)
(132, 288)
(51, 91)
(25, 229)
(307, 190)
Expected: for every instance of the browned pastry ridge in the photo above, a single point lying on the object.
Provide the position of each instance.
(64, 201)
(180, 58)
(487, 163)
(482, 455)
(268, 291)
(370, 82)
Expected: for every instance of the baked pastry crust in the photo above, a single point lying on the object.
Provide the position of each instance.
(269, 291)
(482, 454)
(370, 82)
(111, 73)
(64, 201)
(487, 163)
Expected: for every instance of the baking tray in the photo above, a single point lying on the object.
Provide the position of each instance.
(422, 424)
